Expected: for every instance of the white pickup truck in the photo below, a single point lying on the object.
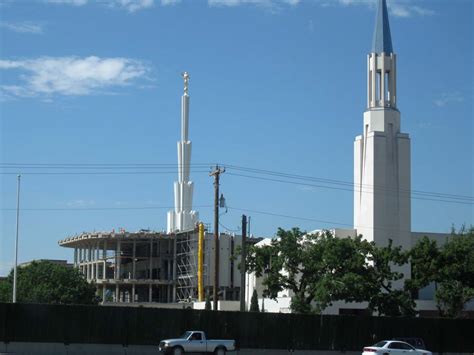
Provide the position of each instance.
(195, 341)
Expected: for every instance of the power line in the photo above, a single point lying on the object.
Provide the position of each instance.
(343, 189)
(99, 208)
(341, 182)
(312, 219)
(324, 182)
(291, 217)
(100, 173)
(99, 164)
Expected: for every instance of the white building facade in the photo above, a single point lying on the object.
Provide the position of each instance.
(382, 176)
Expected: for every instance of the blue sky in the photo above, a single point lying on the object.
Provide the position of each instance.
(275, 85)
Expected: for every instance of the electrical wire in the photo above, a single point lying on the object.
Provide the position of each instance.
(288, 178)
(345, 189)
(100, 208)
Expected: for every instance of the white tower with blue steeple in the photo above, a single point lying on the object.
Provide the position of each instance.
(382, 209)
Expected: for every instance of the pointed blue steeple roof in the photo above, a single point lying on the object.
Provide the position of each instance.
(382, 41)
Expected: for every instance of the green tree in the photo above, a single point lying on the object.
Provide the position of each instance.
(451, 267)
(425, 258)
(320, 269)
(254, 302)
(317, 268)
(207, 305)
(384, 297)
(46, 282)
(5, 291)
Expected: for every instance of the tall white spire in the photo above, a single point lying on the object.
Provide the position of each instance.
(382, 169)
(183, 218)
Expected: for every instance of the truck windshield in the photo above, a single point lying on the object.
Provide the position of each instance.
(185, 335)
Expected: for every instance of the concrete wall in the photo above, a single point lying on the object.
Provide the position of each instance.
(221, 305)
(229, 274)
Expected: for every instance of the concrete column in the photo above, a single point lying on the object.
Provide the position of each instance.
(394, 76)
(150, 293)
(97, 258)
(117, 293)
(382, 80)
(150, 266)
(88, 262)
(75, 257)
(115, 264)
(118, 259)
(93, 261)
(104, 260)
(368, 81)
(174, 272)
(374, 80)
(134, 252)
(104, 291)
(133, 293)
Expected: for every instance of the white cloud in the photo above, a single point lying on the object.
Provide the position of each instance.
(264, 3)
(47, 76)
(68, 2)
(129, 5)
(449, 98)
(22, 27)
(132, 5)
(397, 8)
(169, 2)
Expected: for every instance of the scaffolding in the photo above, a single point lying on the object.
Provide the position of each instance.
(186, 266)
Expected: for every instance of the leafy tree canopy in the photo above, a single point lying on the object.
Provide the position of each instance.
(46, 282)
(451, 267)
(319, 269)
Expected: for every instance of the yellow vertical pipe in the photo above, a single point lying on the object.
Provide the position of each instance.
(200, 263)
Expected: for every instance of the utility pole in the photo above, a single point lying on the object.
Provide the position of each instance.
(248, 231)
(216, 173)
(242, 263)
(16, 239)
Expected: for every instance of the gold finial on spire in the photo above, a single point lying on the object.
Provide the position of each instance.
(185, 76)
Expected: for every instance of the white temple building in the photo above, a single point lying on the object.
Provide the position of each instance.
(382, 177)
(382, 208)
(183, 218)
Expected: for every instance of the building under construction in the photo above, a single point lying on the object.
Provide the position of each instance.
(147, 266)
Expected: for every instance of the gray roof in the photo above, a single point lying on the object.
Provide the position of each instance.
(382, 38)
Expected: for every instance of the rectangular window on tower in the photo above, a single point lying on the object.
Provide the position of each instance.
(387, 87)
(369, 94)
(378, 83)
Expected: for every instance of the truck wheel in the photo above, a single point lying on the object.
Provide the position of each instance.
(220, 351)
(177, 350)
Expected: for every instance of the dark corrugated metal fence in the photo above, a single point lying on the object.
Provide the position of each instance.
(147, 326)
